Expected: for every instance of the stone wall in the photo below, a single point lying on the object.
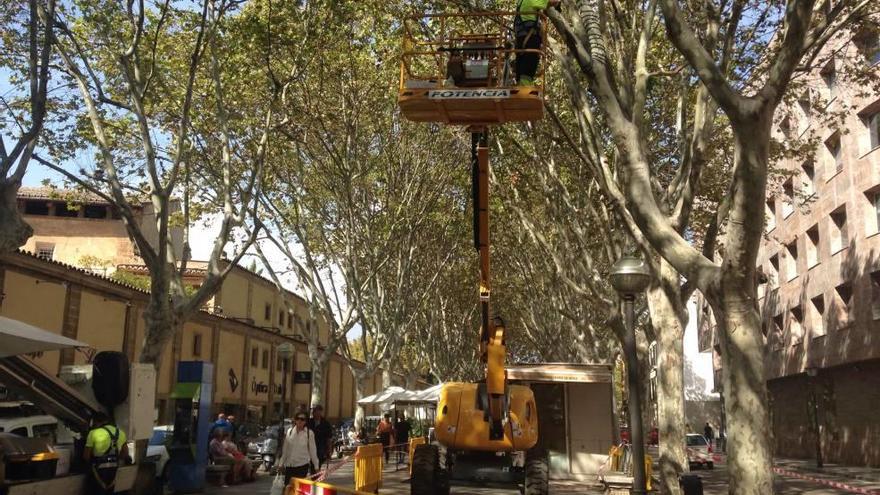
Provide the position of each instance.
(849, 420)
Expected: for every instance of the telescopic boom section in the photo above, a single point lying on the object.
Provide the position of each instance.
(492, 348)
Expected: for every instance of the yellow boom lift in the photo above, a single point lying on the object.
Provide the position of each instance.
(457, 69)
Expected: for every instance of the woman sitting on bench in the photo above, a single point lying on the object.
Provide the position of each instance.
(219, 455)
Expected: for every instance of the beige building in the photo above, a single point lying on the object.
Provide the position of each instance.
(820, 290)
(82, 229)
(241, 340)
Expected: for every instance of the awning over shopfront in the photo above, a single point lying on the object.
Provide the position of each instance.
(18, 338)
(560, 372)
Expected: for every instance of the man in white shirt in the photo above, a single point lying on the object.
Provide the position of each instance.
(299, 454)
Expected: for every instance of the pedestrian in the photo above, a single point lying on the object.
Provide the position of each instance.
(401, 431)
(222, 423)
(105, 449)
(708, 433)
(323, 434)
(219, 454)
(233, 428)
(385, 430)
(527, 29)
(299, 455)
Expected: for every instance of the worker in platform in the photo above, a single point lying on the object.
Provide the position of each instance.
(527, 29)
(105, 451)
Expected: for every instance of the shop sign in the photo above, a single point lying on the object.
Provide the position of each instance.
(302, 377)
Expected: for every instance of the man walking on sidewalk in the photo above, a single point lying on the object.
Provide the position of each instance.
(708, 433)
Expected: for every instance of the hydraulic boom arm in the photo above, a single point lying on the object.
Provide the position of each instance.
(492, 348)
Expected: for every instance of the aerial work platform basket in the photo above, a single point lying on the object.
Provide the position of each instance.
(460, 69)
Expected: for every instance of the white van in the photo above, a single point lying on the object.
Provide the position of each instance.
(22, 418)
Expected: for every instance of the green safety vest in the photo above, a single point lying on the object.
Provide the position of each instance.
(527, 10)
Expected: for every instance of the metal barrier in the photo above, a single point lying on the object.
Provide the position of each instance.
(620, 460)
(413, 443)
(368, 468)
(308, 487)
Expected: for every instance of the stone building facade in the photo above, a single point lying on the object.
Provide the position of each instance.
(819, 289)
(239, 331)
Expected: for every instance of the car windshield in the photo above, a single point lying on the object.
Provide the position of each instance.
(695, 441)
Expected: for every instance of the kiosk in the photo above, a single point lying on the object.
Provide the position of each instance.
(192, 425)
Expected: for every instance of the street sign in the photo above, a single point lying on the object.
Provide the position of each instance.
(302, 377)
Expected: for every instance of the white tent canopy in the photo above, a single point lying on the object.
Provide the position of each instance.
(383, 397)
(17, 337)
(428, 396)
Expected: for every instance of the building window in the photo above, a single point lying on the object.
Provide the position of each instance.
(835, 152)
(839, 237)
(773, 276)
(255, 357)
(829, 77)
(788, 201)
(813, 246)
(875, 295)
(197, 345)
(45, 250)
(796, 326)
(267, 312)
(872, 209)
(770, 213)
(95, 211)
(809, 182)
(265, 359)
(290, 320)
(843, 305)
(36, 208)
(791, 254)
(281, 318)
(817, 320)
(872, 123)
(62, 209)
(868, 42)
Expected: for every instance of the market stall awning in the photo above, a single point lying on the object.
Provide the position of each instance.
(18, 338)
(428, 396)
(383, 397)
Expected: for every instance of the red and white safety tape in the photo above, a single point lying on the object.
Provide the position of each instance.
(833, 484)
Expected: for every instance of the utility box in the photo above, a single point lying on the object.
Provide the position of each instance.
(575, 414)
(135, 416)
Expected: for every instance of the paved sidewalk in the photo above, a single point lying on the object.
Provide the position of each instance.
(862, 480)
(396, 482)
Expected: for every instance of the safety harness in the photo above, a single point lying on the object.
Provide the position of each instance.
(110, 458)
(525, 28)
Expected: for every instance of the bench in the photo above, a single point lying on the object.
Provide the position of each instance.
(216, 473)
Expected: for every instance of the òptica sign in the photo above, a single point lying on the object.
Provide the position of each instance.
(448, 94)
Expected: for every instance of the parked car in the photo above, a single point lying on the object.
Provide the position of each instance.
(24, 419)
(699, 451)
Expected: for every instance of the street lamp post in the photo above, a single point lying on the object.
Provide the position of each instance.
(812, 373)
(285, 351)
(630, 277)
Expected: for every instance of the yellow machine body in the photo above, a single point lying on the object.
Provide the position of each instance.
(462, 425)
